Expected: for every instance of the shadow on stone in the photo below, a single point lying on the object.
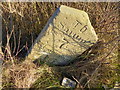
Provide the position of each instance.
(54, 59)
(73, 70)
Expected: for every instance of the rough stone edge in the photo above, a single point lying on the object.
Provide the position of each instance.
(76, 12)
(43, 31)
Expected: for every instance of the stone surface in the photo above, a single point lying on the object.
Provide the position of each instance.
(67, 34)
(66, 82)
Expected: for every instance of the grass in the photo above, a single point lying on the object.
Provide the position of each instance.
(98, 66)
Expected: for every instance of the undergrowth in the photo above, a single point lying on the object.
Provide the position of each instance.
(96, 68)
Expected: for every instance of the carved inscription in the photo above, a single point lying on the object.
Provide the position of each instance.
(78, 23)
(74, 35)
(83, 29)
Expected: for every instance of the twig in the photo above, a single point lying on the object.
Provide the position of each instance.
(14, 41)
(19, 51)
(18, 46)
(100, 65)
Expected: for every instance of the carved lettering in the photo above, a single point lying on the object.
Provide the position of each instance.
(62, 25)
(67, 31)
(77, 36)
(81, 40)
(84, 28)
(89, 42)
(74, 35)
(78, 23)
(70, 33)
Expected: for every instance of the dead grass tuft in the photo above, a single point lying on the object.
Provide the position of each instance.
(96, 67)
(20, 75)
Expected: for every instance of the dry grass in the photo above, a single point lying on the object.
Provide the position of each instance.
(19, 76)
(97, 66)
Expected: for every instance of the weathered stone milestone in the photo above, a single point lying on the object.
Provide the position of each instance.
(67, 34)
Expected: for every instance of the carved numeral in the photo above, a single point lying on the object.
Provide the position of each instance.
(64, 43)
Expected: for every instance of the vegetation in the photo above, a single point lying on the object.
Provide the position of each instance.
(96, 68)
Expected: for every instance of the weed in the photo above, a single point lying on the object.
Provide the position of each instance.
(22, 23)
